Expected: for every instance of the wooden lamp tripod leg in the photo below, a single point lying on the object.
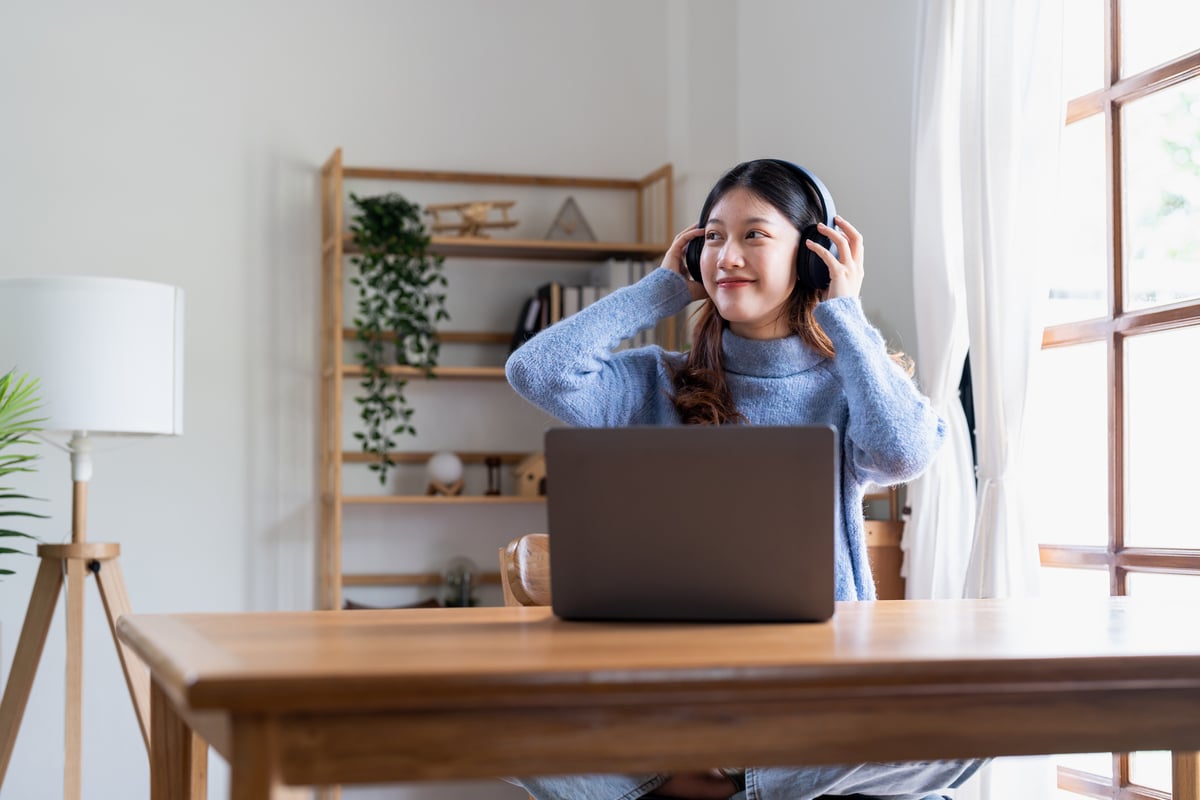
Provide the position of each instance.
(73, 727)
(116, 602)
(74, 560)
(29, 652)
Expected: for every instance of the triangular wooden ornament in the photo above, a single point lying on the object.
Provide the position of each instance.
(569, 224)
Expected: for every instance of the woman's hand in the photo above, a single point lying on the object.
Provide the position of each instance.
(676, 262)
(845, 271)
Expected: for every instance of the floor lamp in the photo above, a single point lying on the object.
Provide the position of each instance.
(108, 355)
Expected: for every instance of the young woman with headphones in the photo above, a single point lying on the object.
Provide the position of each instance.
(781, 339)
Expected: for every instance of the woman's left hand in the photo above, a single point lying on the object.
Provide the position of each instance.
(845, 271)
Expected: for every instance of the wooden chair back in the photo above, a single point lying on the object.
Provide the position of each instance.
(525, 570)
(525, 561)
(883, 546)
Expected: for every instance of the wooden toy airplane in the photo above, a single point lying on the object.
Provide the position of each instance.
(474, 217)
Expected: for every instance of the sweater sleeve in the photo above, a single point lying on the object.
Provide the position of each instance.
(570, 370)
(893, 432)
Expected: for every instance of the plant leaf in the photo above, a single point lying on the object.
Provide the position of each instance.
(395, 277)
(17, 533)
(19, 404)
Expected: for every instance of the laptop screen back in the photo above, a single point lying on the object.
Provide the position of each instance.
(706, 523)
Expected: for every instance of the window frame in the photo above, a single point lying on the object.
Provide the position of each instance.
(1114, 329)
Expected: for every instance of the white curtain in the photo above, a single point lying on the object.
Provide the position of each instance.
(935, 544)
(1012, 119)
(989, 118)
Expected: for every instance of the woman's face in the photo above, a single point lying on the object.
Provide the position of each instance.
(749, 264)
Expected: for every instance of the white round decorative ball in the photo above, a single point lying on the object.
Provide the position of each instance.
(445, 467)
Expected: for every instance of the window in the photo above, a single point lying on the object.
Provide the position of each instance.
(1116, 429)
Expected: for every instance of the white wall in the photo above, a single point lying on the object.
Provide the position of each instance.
(830, 85)
(181, 143)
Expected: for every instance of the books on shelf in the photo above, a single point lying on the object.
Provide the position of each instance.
(527, 322)
(550, 295)
(553, 302)
(571, 298)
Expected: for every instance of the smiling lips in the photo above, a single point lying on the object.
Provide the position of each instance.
(733, 283)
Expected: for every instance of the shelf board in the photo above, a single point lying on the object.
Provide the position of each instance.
(449, 373)
(410, 579)
(421, 457)
(437, 500)
(502, 178)
(445, 337)
(663, 173)
(544, 249)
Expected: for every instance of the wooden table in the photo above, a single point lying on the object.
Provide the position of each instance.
(429, 694)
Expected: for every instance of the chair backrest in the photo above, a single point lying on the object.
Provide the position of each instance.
(883, 545)
(525, 570)
(525, 561)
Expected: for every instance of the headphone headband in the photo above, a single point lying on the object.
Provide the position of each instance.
(827, 210)
(810, 268)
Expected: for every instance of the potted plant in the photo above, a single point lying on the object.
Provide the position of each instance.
(400, 301)
(18, 402)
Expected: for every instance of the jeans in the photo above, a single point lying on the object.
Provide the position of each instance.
(906, 780)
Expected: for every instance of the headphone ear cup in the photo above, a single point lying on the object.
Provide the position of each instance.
(691, 257)
(810, 269)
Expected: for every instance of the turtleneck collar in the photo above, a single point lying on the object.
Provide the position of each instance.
(767, 358)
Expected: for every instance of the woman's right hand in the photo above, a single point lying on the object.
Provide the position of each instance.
(676, 262)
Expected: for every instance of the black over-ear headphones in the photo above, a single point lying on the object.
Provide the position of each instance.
(810, 269)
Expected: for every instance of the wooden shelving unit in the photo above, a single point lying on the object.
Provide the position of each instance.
(652, 198)
(426, 500)
(442, 373)
(531, 249)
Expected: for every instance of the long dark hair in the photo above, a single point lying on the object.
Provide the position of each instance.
(702, 395)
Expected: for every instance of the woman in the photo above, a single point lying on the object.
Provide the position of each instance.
(773, 345)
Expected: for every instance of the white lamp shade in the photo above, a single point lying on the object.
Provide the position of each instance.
(107, 352)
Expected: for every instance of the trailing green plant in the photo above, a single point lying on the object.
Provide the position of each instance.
(400, 301)
(18, 404)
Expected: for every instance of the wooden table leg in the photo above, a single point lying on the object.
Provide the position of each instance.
(1185, 776)
(178, 756)
(253, 768)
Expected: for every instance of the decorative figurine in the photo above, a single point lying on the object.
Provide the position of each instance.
(493, 476)
(531, 476)
(473, 217)
(445, 475)
(569, 224)
(458, 582)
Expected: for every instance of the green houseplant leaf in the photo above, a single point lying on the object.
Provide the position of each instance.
(18, 405)
(400, 301)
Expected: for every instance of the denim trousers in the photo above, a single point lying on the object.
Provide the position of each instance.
(904, 780)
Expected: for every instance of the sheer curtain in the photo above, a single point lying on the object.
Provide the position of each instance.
(1012, 119)
(936, 547)
(989, 115)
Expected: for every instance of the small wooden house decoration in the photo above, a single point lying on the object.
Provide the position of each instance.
(531, 476)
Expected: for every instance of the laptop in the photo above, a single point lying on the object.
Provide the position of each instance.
(692, 523)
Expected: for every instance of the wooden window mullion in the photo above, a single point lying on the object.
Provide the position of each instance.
(1119, 323)
(1117, 480)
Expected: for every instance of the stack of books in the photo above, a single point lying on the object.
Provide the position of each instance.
(554, 301)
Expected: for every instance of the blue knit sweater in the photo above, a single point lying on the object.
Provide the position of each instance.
(888, 431)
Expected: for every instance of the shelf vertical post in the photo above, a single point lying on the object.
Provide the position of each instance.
(330, 535)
